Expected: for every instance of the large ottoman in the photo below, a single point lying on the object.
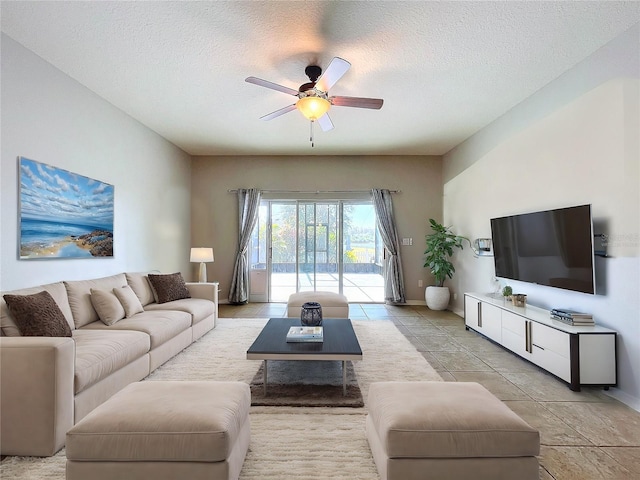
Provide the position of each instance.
(452, 430)
(163, 430)
(333, 304)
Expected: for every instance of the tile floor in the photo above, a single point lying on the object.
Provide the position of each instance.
(584, 435)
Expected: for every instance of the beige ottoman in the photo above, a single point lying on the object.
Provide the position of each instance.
(452, 430)
(333, 305)
(163, 430)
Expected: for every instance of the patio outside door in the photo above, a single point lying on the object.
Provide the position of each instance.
(316, 246)
(319, 247)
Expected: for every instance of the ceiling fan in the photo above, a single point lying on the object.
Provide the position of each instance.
(313, 97)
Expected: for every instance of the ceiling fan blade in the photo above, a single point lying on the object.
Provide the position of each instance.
(271, 85)
(325, 123)
(375, 103)
(277, 113)
(334, 72)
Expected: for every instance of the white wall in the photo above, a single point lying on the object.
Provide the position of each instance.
(582, 149)
(50, 118)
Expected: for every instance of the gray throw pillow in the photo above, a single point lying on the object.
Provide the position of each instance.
(38, 315)
(130, 302)
(169, 287)
(109, 308)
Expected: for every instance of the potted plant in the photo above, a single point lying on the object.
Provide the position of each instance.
(440, 247)
(507, 291)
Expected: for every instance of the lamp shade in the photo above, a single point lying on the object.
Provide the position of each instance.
(313, 107)
(201, 254)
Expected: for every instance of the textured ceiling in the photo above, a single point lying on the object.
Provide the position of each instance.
(444, 69)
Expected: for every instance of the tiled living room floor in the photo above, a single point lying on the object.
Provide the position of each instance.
(585, 435)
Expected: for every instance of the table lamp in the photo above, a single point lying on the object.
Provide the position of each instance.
(202, 255)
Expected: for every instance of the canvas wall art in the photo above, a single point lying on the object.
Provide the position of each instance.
(63, 214)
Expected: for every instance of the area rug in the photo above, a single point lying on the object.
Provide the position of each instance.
(286, 442)
(306, 384)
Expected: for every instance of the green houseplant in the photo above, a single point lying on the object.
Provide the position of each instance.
(507, 291)
(440, 247)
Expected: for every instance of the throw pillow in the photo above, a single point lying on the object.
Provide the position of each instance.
(107, 305)
(139, 283)
(168, 288)
(38, 315)
(129, 300)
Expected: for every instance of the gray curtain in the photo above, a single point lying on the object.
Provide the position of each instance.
(393, 279)
(248, 205)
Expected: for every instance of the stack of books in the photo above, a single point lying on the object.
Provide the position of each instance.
(305, 334)
(572, 318)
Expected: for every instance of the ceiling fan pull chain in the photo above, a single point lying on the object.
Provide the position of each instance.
(311, 134)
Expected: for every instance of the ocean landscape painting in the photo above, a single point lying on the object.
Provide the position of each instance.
(63, 214)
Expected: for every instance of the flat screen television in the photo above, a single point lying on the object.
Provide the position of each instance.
(551, 247)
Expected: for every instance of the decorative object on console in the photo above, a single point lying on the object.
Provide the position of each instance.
(74, 223)
(311, 314)
(440, 246)
(519, 299)
(572, 318)
(202, 255)
(507, 292)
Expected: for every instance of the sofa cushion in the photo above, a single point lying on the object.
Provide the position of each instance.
(100, 353)
(129, 301)
(139, 283)
(79, 293)
(57, 291)
(199, 308)
(37, 315)
(107, 305)
(169, 287)
(159, 325)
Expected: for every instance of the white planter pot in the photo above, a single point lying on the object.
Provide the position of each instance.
(437, 297)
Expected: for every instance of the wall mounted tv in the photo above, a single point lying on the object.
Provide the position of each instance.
(552, 247)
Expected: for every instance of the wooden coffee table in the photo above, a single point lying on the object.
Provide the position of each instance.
(340, 343)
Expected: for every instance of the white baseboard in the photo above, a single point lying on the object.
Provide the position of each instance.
(415, 302)
(625, 398)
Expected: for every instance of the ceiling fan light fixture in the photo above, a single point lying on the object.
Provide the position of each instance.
(313, 107)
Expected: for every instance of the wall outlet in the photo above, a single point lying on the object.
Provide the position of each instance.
(455, 296)
(420, 283)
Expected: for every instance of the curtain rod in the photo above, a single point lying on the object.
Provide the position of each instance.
(314, 191)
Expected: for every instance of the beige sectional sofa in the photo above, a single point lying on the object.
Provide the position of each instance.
(48, 384)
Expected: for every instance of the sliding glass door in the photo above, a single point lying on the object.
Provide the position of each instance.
(319, 259)
(316, 246)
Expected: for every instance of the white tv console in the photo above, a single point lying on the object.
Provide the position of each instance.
(580, 356)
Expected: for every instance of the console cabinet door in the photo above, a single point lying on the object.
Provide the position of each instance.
(491, 319)
(483, 318)
(471, 312)
(597, 359)
(514, 334)
(551, 350)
